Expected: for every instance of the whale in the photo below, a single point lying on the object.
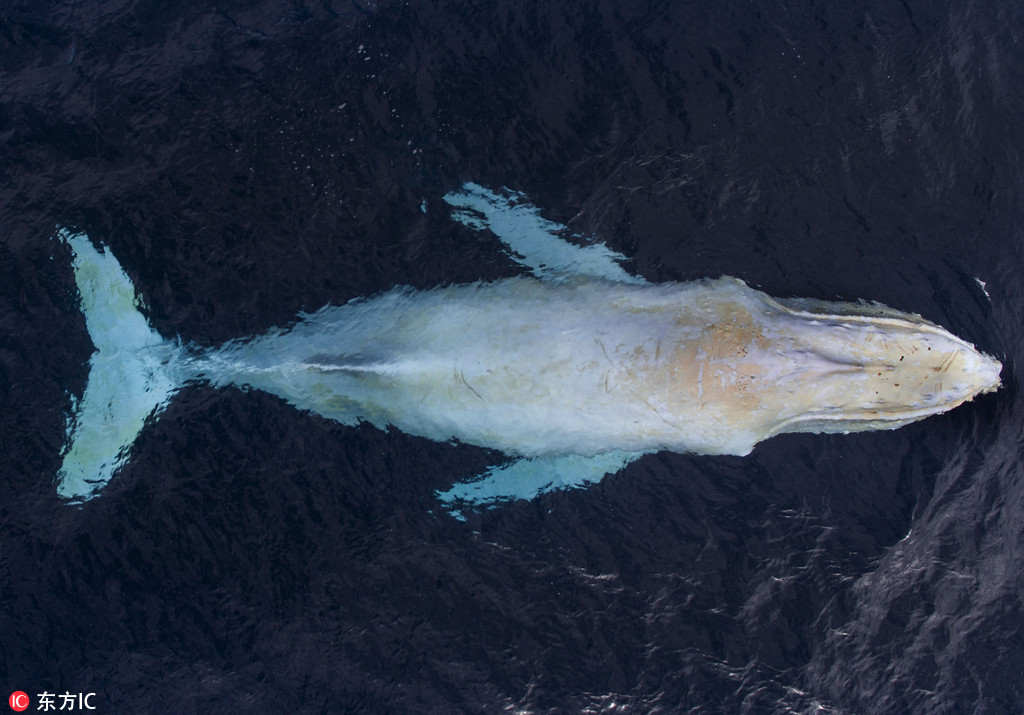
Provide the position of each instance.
(570, 370)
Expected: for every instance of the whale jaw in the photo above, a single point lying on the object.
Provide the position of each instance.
(865, 372)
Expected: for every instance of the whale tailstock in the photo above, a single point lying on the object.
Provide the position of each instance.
(133, 373)
(529, 477)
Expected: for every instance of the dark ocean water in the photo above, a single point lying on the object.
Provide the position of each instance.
(250, 160)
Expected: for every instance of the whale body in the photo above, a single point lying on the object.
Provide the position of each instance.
(571, 371)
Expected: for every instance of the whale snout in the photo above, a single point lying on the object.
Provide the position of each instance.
(966, 374)
(989, 372)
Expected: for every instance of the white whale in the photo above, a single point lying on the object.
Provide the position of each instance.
(572, 371)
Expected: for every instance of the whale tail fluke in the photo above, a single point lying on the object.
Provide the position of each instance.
(132, 375)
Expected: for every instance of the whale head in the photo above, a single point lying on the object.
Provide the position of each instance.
(853, 370)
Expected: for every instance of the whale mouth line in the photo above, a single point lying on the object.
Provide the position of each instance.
(863, 314)
(895, 418)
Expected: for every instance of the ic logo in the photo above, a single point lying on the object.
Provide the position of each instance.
(19, 700)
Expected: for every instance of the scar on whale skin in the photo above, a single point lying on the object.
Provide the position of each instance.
(572, 370)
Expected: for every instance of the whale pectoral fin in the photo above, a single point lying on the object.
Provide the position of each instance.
(527, 478)
(533, 241)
